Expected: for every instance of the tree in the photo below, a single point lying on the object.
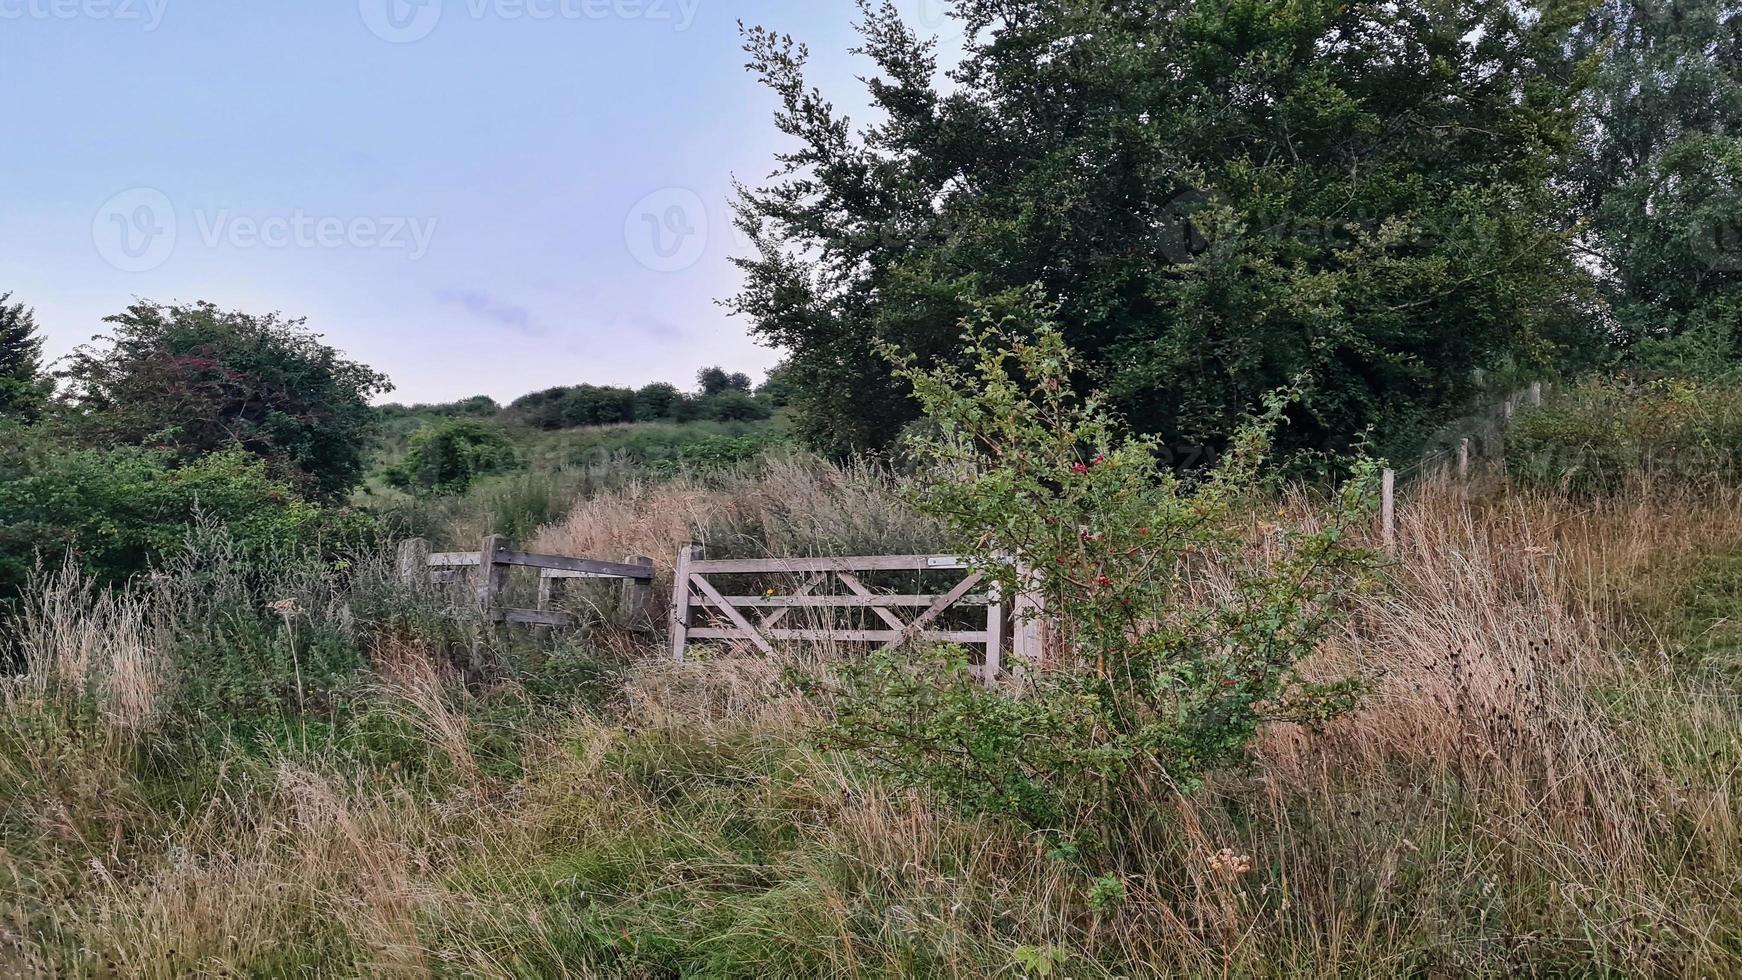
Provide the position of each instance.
(733, 405)
(713, 380)
(777, 388)
(1222, 197)
(449, 456)
(656, 401)
(193, 380)
(1657, 175)
(24, 387)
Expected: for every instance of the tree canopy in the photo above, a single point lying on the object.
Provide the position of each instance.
(24, 387)
(1657, 175)
(192, 380)
(1223, 197)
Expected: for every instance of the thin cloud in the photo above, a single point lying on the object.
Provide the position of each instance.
(482, 304)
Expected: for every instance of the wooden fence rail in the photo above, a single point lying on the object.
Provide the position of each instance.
(488, 569)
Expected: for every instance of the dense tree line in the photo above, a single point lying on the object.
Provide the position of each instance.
(1220, 198)
(720, 397)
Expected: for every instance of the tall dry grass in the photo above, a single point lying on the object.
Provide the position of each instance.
(1541, 782)
(781, 506)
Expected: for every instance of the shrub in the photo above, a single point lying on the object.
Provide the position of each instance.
(448, 456)
(540, 409)
(116, 511)
(733, 405)
(593, 405)
(1593, 438)
(717, 452)
(1154, 685)
(193, 380)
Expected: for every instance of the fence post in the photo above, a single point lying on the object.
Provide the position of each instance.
(680, 600)
(994, 633)
(492, 574)
(636, 601)
(414, 561)
(1464, 460)
(1536, 394)
(1388, 509)
(1028, 617)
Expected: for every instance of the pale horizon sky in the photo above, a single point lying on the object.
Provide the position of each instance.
(463, 194)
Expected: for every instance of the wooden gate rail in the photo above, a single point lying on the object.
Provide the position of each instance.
(488, 569)
(694, 589)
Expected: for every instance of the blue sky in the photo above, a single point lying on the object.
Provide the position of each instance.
(464, 194)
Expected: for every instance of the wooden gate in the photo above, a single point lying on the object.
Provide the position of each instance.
(759, 620)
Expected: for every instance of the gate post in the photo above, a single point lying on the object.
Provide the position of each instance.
(414, 561)
(492, 574)
(680, 600)
(636, 601)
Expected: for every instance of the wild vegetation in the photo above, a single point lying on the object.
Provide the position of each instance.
(1539, 779)
(1130, 312)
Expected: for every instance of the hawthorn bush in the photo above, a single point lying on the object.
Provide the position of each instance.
(1175, 641)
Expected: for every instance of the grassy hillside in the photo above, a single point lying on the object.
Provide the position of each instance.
(553, 470)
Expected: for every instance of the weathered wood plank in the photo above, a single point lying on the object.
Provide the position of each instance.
(495, 571)
(414, 561)
(877, 563)
(994, 635)
(564, 563)
(732, 613)
(635, 601)
(838, 601)
(937, 608)
(970, 637)
(455, 559)
(852, 582)
(680, 601)
(534, 617)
